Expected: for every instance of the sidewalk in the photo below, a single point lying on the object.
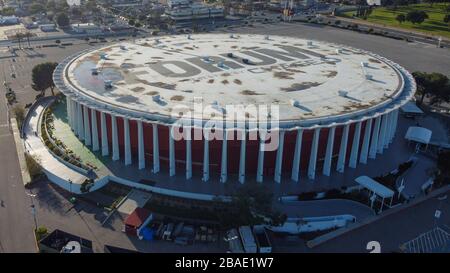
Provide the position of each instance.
(55, 170)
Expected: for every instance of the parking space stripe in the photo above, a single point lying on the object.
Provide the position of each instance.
(427, 242)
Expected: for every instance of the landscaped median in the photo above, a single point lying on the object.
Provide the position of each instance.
(58, 171)
(389, 16)
(57, 147)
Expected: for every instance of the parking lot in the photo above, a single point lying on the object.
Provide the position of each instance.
(435, 240)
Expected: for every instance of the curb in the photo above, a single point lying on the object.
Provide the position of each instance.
(26, 178)
(38, 250)
(334, 234)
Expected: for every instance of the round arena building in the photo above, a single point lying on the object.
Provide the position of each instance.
(234, 107)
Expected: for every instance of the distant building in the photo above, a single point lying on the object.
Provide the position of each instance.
(9, 20)
(374, 2)
(188, 10)
(48, 27)
(87, 28)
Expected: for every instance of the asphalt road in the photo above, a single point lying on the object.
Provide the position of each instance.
(393, 230)
(16, 221)
(15, 213)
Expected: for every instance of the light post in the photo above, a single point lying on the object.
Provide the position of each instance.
(401, 188)
(33, 210)
(372, 199)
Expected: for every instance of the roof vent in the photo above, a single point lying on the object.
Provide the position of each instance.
(364, 64)
(189, 37)
(108, 84)
(339, 51)
(94, 71)
(309, 43)
(369, 77)
(267, 37)
(156, 98)
(123, 47)
(230, 55)
(215, 105)
(231, 36)
(295, 103)
(246, 61)
(221, 65)
(343, 93)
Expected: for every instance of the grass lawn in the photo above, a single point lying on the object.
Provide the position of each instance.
(434, 25)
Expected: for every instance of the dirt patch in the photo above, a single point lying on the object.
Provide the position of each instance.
(138, 89)
(283, 75)
(225, 82)
(372, 60)
(250, 93)
(211, 81)
(127, 65)
(300, 86)
(330, 74)
(237, 81)
(177, 98)
(152, 93)
(163, 85)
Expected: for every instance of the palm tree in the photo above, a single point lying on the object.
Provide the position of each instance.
(28, 35)
(19, 37)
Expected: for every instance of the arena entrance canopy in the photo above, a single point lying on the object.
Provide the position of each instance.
(411, 109)
(376, 188)
(420, 135)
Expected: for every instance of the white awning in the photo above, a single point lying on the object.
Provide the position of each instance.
(374, 186)
(411, 108)
(418, 134)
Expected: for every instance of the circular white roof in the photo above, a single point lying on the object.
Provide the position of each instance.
(172, 74)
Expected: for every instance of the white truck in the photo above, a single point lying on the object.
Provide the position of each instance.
(248, 240)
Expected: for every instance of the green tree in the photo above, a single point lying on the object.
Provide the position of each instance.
(36, 8)
(8, 11)
(131, 22)
(442, 163)
(42, 77)
(400, 18)
(416, 16)
(62, 20)
(61, 6)
(251, 204)
(51, 6)
(434, 85)
(76, 11)
(447, 19)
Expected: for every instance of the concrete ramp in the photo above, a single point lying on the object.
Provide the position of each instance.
(135, 199)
